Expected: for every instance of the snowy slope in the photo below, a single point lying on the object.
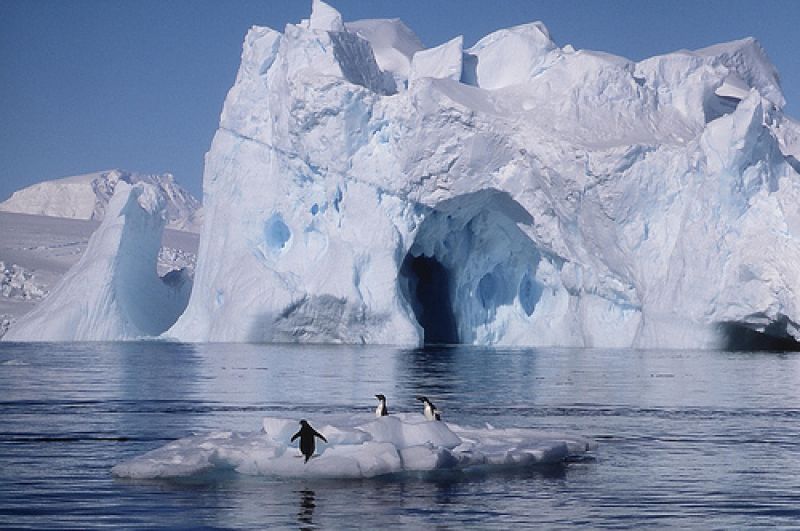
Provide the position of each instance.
(87, 197)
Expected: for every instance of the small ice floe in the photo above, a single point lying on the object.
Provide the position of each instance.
(9, 363)
(387, 445)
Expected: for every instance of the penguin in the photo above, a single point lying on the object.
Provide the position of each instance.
(307, 434)
(431, 413)
(381, 410)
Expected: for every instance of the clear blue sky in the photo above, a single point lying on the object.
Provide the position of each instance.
(87, 85)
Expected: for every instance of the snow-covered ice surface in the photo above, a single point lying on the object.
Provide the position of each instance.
(87, 196)
(113, 291)
(552, 196)
(402, 443)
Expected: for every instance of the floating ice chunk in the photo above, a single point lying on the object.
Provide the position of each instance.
(389, 445)
(180, 458)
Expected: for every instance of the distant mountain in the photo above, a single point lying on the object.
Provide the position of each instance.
(86, 197)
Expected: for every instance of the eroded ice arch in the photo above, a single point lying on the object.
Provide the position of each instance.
(113, 292)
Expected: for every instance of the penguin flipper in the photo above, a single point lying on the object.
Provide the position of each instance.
(295, 436)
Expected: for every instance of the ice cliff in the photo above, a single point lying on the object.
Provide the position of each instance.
(87, 196)
(114, 291)
(362, 189)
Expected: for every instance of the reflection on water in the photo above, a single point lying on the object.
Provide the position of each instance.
(146, 371)
(306, 515)
(455, 376)
(686, 437)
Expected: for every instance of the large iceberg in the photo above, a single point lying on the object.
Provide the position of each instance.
(405, 443)
(361, 189)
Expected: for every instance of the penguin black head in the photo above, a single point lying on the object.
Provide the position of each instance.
(303, 422)
(430, 411)
(381, 410)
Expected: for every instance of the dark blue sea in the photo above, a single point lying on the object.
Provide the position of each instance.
(687, 439)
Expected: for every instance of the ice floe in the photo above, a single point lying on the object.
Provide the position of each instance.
(403, 443)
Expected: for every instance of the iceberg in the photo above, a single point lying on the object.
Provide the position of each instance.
(396, 444)
(362, 189)
(113, 292)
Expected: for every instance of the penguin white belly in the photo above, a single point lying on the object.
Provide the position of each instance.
(429, 412)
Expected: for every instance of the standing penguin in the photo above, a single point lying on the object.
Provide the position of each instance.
(307, 434)
(381, 410)
(431, 413)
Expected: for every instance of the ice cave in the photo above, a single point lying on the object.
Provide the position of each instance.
(469, 259)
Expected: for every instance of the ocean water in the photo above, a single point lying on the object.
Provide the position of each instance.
(692, 439)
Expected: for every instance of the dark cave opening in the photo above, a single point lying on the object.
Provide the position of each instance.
(429, 294)
(739, 337)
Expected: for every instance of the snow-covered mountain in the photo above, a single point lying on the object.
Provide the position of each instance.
(362, 190)
(87, 197)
